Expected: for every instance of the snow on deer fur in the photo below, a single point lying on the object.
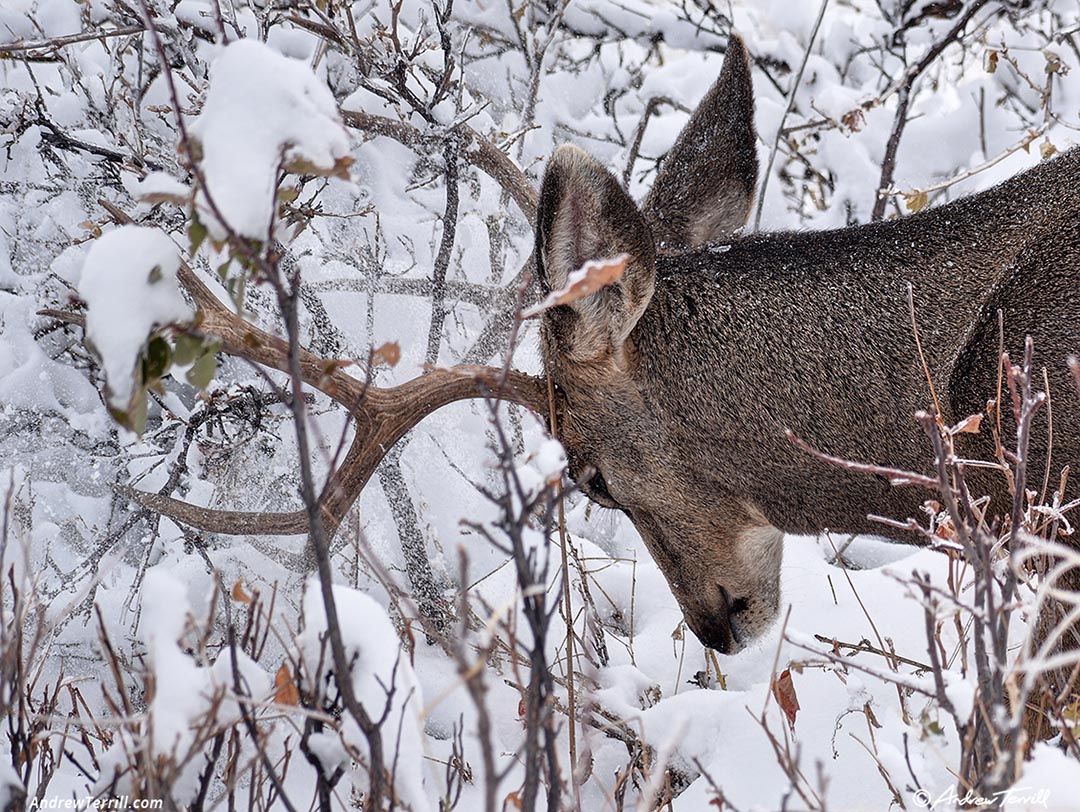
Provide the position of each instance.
(263, 111)
(129, 286)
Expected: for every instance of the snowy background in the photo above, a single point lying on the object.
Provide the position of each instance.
(121, 612)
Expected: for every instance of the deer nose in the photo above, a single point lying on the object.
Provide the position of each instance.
(714, 626)
(714, 633)
(714, 630)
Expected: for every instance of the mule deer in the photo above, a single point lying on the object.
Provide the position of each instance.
(679, 382)
(676, 385)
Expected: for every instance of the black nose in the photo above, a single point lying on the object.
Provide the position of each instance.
(713, 630)
(711, 624)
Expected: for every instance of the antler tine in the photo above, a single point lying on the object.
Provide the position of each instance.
(383, 415)
(245, 340)
(389, 415)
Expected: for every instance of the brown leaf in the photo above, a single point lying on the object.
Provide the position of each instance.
(329, 366)
(389, 354)
(285, 690)
(853, 120)
(238, 593)
(916, 201)
(589, 278)
(512, 802)
(1047, 149)
(783, 688)
(302, 166)
(969, 425)
(991, 61)
(870, 716)
(164, 197)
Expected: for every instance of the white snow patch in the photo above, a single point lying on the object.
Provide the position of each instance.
(379, 667)
(263, 109)
(161, 184)
(1048, 781)
(126, 299)
(179, 685)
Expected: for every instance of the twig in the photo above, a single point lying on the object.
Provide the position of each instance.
(795, 82)
(888, 162)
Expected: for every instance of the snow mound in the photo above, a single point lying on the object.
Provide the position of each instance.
(129, 286)
(263, 111)
(379, 669)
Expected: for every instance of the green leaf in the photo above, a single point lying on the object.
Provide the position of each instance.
(134, 419)
(156, 359)
(203, 371)
(138, 419)
(187, 349)
(196, 234)
(236, 287)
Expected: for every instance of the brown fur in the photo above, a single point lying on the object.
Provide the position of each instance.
(680, 381)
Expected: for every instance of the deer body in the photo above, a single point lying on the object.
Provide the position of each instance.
(679, 383)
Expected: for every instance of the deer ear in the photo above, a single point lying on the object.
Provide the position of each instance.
(705, 187)
(583, 215)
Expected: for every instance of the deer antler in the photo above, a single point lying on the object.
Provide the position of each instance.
(383, 415)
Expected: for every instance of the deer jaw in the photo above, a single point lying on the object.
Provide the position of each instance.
(719, 555)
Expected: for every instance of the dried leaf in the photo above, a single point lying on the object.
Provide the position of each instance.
(238, 594)
(991, 61)
(329, 366)
(916, 201)
(853, 120)
(969, 425)
(1054, 63)
(155, 198)
(871, 717)
(302, 166)
(591, 277)
(285, 690)
(389, 354)
(512, 802)
(783, 689)
(1046, 148)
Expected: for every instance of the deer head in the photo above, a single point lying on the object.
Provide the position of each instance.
(720, 556)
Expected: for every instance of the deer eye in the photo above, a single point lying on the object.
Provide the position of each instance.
(596, 489)
(598, 485)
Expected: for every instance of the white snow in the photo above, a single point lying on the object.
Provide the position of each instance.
(263, 111)
(383, 681)
(1048, 781)
(160, 185)
(129, 286)
(180, 687)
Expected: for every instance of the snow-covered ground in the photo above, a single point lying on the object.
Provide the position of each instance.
(87, 121)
